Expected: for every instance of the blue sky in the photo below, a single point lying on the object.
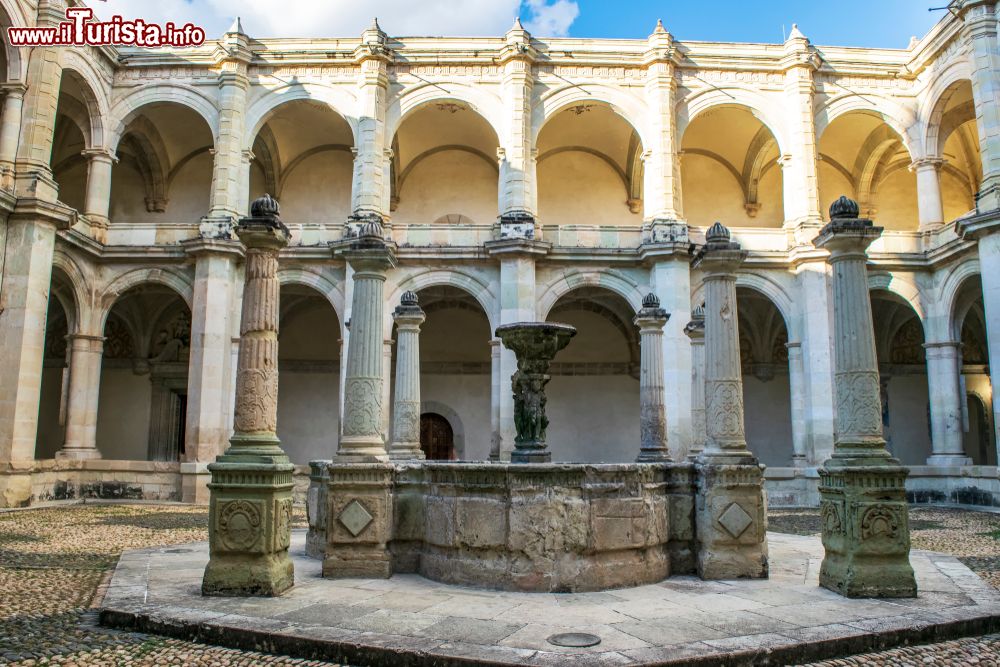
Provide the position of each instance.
(884, 23)
(887, 23)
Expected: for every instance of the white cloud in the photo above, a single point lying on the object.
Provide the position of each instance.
(551, 19)
(347, 18)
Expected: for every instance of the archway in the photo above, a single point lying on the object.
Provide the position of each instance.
(456, 367)
(730, 170)
(766, 384)
(593, 397)
(437, 438)
(969, 324)
(954, 136)
(589, 168)
(863, 157)
(164, 168)
(444, 166)
(902, 360)
(71, 136)
(302, 157)
(144, 372)
(309, 341)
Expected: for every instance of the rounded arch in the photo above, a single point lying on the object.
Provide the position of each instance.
(775, 293)
(609, 279)
(902, 120)
(486, 104)
(956, 298)
(175, 280)
(694, 105)
(631, 109)
(903, 288)
(93, 88)
(11, 15)
(339, 100)
(936, 98)
(473, 285)
(77, 282)
(453, 419)
(318, 281)
(128, 107)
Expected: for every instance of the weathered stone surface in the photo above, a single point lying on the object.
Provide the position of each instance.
(359, 520)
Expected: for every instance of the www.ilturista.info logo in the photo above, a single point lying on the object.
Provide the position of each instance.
(80, 30)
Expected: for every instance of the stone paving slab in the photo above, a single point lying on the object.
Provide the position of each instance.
(408, 620)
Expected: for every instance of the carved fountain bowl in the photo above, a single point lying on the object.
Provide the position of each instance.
(535, 340)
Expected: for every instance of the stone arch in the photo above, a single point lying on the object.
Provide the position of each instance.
(125, 109)
(93, 88)
(901, 119)
(175, 280)
(152, 158)
(440, 149)
(454, 420)
(631, 109)
(78, 283)
(694, 105)
(339, 100)
(487, 105)
(936, 99)
(903, 288)
(473, 285)
(610, 279)
(11, 15)
(318, 281)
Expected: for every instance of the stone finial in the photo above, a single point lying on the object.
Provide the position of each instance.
(375, 26)
(844, 208)
(650, 301)
(517, 24)
(371, 229)
(698, 313)
(264, 207)
(717, 233)
(795, 33)
(409, 298)
(236, 28)
(659, 30)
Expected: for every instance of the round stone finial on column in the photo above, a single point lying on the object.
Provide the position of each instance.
(652, 413)
(406, 404)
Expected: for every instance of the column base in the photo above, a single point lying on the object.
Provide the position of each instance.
(731, 519)
(653, 456)
(406, 451)
(531, 456)
(800, 461)
(866, 533)
(75, 454)
(249, 529)
(361, 449)
(360, 517)
(949, 460)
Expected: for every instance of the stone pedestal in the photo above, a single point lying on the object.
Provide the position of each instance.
(862, 488)
(250, 510)
(361, 438)
(535, 344)
(730, 513)
(406, 405)
(359, 520)
(652, 414)
(316, 507)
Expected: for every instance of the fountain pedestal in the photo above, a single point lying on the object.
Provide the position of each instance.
(534, 344)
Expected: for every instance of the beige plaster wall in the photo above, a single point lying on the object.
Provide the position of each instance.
(446, 183)
(768, 419)
(123, 415)
(469, 397)
(576, 188)
(908, 432)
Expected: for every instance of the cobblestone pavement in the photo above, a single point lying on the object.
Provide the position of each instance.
(53, 560)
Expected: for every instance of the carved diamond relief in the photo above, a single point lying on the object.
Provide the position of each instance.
(735, 520)
(355, 518)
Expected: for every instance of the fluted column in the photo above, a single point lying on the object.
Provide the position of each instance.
(84, 390)
(723, 375)
(361, 437)
(652, 414)
(695, 330)
(862, 488)
(943, 379)
(496, 389)
(406, 404)
(10, 130)
(251, 489)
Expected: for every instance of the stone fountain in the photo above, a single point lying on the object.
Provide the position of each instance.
(535, 344)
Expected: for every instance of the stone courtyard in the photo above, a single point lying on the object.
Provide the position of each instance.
(55, 564)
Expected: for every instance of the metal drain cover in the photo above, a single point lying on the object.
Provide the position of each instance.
(574, 640)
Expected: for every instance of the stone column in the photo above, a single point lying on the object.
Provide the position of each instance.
(210, 366)
(84, 391)
(406, 405)
(980, 38)
(24, 299)
(944, 384)
(730, 513)
(652, 414)
(796, 388)
(98, 199)
(10, 130)
(518, 187)
(661, 168)
(929, 207)
(799, 169)
(250, 511)
(496, 386)
(862, 488)
(695, 330)
(816, 313)
(361, 437)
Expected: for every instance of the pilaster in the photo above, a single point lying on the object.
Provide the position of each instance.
(370, 191)
(518, 185)
(661, 164)
(799, 162)
(10, 130)
(980, 37)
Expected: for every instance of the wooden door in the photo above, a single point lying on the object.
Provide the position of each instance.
(436, 437)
